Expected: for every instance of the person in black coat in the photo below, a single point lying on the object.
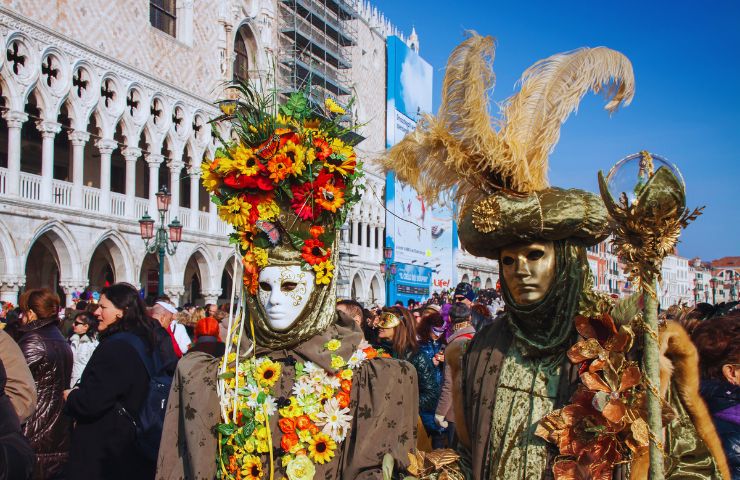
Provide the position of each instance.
(718, 342)
(16, 455)
(112, 390)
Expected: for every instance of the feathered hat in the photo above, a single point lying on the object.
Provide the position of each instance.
(496, 169)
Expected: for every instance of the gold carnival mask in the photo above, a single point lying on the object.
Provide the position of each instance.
(528, 270)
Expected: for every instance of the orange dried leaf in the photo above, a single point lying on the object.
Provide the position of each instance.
(594, 382)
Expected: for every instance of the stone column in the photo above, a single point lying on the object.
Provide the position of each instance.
(355, 230)
(78, 139)
(105, 147)
(15, 122)
(212, 217)
(48, 131)
(194, 193)
(154, 160)
(210, 296)
(174, 292)
(131, 154)
(175, 166)
(9, 287)
(70, 287)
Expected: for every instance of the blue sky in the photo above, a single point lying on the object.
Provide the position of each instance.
(686, 59)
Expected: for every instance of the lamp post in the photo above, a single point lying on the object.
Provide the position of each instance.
(163, 242)
(388, 268)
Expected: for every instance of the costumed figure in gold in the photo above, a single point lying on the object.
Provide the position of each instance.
(551, 388)
(299, 394)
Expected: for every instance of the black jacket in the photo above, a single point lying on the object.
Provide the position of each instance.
(429, 387)
(50, 359)
(16, 456)
(103, 438)
(723, 400)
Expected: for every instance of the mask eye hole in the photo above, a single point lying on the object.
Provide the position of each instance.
(265, 286)
(535, 255)
(288, 286)
(507, 260)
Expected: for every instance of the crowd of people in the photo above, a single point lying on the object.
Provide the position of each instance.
(74, 382)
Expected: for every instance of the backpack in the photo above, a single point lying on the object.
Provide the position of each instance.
(150, 419)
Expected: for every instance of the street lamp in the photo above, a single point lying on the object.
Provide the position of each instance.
(389, 269)
(160, 240)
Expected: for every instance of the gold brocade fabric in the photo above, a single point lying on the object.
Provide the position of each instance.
(319, 313)
(527, 391)
(687, 456)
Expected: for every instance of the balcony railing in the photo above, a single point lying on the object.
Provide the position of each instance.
(62, 195)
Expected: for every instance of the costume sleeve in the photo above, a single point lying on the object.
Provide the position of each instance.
(188, 448)
(445, 397)
(384, 400)
(20, 387)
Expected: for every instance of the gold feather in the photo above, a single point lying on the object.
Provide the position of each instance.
(460, 151)
(551, 89)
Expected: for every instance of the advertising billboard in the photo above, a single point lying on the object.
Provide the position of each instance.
(409, 221)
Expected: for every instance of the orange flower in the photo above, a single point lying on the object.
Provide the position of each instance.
(251, 273)
(323, 150)
(288, 441)
(313, 429)
(287, 425)
(313, 252)
(279, 166)
(330, 197)
(370, 353)
(303, 422)
(316, 231)
(346, 385)
(343, 398)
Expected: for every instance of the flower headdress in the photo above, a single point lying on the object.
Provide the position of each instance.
(287, 177)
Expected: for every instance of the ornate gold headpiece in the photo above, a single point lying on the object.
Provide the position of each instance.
(389, 320)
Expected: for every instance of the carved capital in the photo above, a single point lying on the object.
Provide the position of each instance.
(176, 165)
(15, 119)
(11, 283)
(106, 145)
(78, 138)
(131, 154)
(154, 160)
(48, 129)
(211, 293)
(71, 286)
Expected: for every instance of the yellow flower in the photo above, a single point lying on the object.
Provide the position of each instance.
(267, 373)
(311, 123)
(297, 155)
(333, 107)
(235, 212)
(245, 161)
(337, 362)
(321, 448)
(333, 344)
(260, 256)
(210, 179)
(251, 468)
(268, 211)
(324, 272)
(346, 374)
(291, 411)
(300, 468)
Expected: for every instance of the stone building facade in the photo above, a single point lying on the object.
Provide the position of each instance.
(98, 115)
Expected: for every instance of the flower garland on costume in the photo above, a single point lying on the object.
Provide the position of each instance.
(313, 422)
(291, 156)
(605, 423)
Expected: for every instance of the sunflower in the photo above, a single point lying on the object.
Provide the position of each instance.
(296, 153)
(279, 166)
(334, 107)
(251, 468)
(235, 212)
(246, 238)
(246, 162)
(210, 178)
(267, 373)
(324, 272)
(268, 210)
(341, 164)
(321, 448)
(313, 251)
(260, 257)
(330, 197)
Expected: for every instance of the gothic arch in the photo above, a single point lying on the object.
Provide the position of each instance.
(376, 294)
(120, 255)
(357, 288)
(246, 47)
(8, 252)
(63, 245)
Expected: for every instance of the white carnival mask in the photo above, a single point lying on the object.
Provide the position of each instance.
(283, 293)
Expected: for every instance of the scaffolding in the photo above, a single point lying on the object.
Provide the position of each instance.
(314, 35)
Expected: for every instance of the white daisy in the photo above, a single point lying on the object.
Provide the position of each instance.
(269, 405)
(310, 367)
(356, 359)
(253, 393)
(302, 387)
(333, 381)
(335, 420)
(363, 345)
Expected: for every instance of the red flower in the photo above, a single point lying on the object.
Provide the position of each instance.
(259, 182)
(303, 203)
(316, 231)
(313, 251)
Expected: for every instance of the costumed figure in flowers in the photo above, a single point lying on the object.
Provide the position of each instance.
(308, 398)
(550, 388)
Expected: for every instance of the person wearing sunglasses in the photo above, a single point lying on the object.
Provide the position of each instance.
(83, 341)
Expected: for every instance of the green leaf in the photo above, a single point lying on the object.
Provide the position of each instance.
(261, 241)
(227, 375)
(226, 428)
(248, 428)
(296, 240)
(261, 397)
(216, 200)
